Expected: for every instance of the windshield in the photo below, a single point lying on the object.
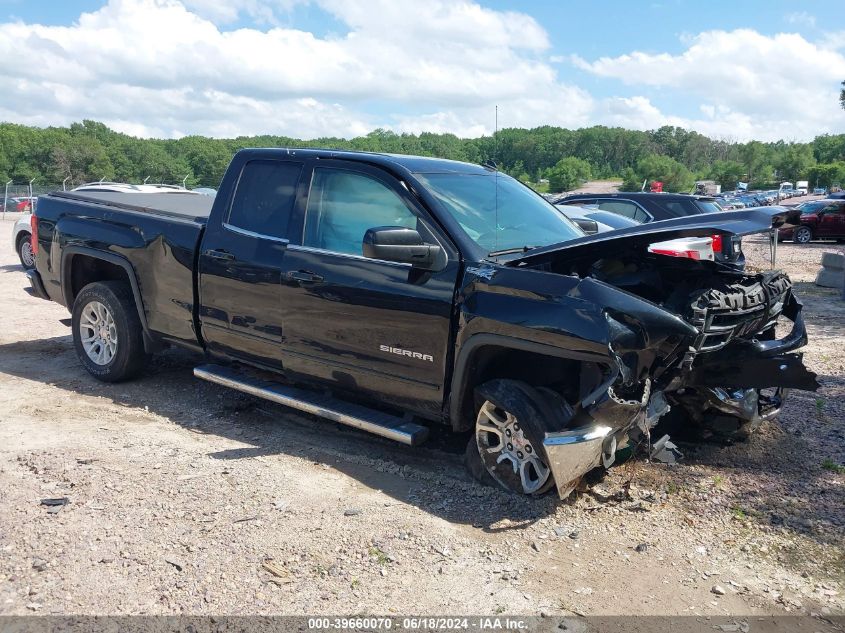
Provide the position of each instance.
(810, 207)
(498, 213)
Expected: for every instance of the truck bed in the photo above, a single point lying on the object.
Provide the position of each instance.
(185, 206)
(153, 236)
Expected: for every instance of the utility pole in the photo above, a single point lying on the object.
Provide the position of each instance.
(6, 198)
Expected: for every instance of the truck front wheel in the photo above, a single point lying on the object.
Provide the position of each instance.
(507, 445)
(107, 331)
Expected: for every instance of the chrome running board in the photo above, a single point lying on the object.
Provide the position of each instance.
(354, 415)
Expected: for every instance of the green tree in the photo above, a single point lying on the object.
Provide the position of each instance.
(673, 175)
(568, 173)
(630, 180)
(795, 162)
(754, 155)
(727, 173)
(827, 174)
(829, 148)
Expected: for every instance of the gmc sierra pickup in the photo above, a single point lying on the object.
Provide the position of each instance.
(392, 292)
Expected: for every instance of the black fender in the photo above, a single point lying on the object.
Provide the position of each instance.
(150, 340)
(468, 350)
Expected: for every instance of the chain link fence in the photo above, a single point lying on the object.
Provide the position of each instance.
(11, 194)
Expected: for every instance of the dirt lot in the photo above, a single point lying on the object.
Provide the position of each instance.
(181, 491)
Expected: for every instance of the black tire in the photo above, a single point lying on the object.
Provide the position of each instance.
(129, 357)
(803, 235)
(24, 250)
(535, 415)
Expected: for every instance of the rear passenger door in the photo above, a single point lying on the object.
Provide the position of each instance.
(241, 262)
(366, 326)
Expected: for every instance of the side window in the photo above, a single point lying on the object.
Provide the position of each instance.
(342, 205)
(265, 197)
(621, 207)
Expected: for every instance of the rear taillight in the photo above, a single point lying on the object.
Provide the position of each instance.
(717, 243)
(33, 233)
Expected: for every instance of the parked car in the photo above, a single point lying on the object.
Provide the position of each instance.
(836, 195)
(26, 204)
(644, 207)
(820, 219)
(819, 191)
(22, 241)
(391, 293)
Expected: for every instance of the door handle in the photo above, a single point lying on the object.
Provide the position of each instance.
(221, 255)
(303, 276)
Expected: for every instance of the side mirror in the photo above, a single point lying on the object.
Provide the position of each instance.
(590, 227)
(401, 245)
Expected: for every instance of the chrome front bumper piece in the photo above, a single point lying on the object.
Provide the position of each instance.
(572, 453)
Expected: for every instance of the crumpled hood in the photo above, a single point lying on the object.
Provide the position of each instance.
(743, 222)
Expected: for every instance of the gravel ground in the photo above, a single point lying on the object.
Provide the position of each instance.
(185, 497)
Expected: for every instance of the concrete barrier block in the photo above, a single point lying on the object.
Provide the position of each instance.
(835, 261)
(830, 278)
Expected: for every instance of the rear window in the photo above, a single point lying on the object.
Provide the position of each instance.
(679, 208)
(707, 206)
(624, 208)
(265, 197)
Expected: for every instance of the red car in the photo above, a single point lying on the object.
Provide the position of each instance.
(24, 205)
(819, 220)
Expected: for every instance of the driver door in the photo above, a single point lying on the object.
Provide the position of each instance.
(364, 325)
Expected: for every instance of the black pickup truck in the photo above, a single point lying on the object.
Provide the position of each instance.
(392, 292)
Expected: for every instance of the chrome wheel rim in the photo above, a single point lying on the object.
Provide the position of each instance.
(98, 333)
(27, 257)
(802, 236)
(507, 453)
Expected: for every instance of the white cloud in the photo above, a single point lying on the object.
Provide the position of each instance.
(801, 18)
(757, 86)
(167, 68)
(175, 67)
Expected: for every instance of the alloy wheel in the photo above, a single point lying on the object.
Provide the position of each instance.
(98, 333)
(26, 254)
(507, 454)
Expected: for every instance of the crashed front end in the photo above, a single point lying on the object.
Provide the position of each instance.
(704, 340)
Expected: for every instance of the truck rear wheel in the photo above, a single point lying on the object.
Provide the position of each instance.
(107, 332)
(507, 446)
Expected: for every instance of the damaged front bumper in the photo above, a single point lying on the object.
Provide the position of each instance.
(746, 380)
(572, 453)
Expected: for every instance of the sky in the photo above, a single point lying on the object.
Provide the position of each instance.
(739, 70)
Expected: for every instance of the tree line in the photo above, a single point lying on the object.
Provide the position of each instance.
(90, 151)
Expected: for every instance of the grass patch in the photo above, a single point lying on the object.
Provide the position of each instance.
(380, 556)
(833, 467)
